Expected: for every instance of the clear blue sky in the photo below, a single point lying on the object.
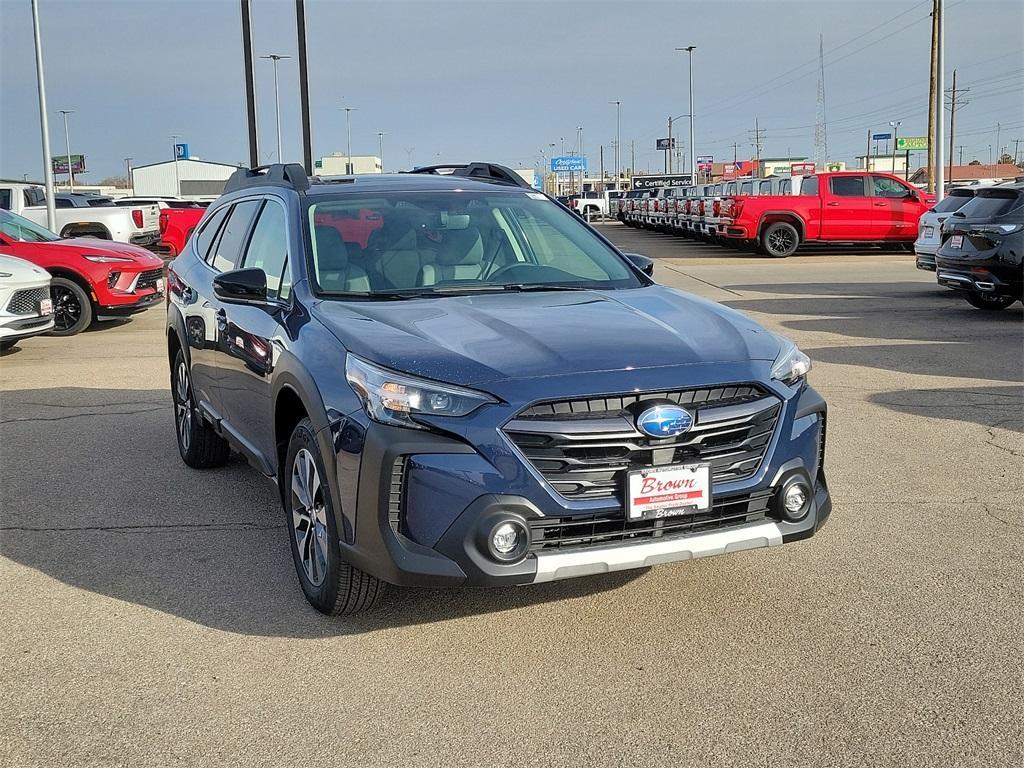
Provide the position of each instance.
(497, 80)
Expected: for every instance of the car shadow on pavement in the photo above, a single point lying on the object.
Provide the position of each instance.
(994, 407)
(94, 494)
(952, 338)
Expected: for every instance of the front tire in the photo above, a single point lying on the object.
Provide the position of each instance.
(331, 586)
(72, 308)
(989, 303)
(200, 447)
(780, 240)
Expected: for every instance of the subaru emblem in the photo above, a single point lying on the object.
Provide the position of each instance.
(664, 421)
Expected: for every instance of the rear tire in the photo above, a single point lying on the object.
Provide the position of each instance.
(331, 585)
(200, 447)
(989, 303)
(780, 240)
(72, 307)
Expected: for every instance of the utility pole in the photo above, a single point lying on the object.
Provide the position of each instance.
(867, 153)
(1016, 144)
(895, 125)
(999, 152)
(174, 150)
(961, 160)
(932, 100)
(44, 121)
(757, 140)
(601, 155)
(71, 173)
(693, 146)
(618, 125)
(668, 149)
(940, 89)
(632, 159)
(250, 84)
(380, 149)
(277, 100)
(954, 101)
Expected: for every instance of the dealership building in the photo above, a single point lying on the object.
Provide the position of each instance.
(188, 178)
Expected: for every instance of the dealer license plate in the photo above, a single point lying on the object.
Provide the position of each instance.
(46, 307)
(668, 491)
(929, 231)
(159, 285)
(956, 241)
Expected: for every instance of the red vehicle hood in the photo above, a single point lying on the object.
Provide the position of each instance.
(95, 246)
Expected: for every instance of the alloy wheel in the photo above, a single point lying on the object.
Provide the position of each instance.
(183, 406)
(309, 517)
(780, 241)
(67, 310)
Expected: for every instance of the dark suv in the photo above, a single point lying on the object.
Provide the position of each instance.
(453, 380)
(982, 251)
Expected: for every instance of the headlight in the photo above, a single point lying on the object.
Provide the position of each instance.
(106, 259)
(394, 398)
(998, 229)
(791, 365)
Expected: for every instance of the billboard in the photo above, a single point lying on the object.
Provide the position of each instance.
(704, 163)
(568, 163)
(801, 169)
(661, 180)
(60, 163)
(911, 143)
(663, 144)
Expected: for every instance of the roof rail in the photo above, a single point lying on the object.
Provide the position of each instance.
(489, 172)
(290, 175)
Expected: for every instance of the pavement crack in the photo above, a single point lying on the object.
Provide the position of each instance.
(32, 419)
(694, 277)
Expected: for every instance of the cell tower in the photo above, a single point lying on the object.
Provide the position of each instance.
(820, 130)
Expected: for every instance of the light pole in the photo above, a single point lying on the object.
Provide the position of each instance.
(380, 149)
(618, 125)
(940, 93)
(348, 130)
(277, 99)
(693, 147)
(895, 124)
(128, 171)
(583, 159)
(67, 140)
(44, 124)
(174, 149)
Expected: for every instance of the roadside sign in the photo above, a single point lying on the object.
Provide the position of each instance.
(661, 180)
(181, 151)
(568, 163)
(60, 163)
(662, 144)
(911, 143)
(801, 169)
(881, 136)
(704, 162)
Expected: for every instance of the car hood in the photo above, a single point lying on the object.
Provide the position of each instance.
(95, 246)
(476, 339)
(21, 271)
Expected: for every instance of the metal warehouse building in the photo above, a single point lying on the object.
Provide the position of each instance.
(196, 178)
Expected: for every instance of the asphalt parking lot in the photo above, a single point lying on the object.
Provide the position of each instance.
(151, 614)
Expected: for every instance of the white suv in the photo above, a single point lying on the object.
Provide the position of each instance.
(25, 305)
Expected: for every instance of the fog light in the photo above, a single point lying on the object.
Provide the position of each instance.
(505, 538)
(795, 500)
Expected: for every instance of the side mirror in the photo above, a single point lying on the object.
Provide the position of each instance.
(242, 286)
(643, 263)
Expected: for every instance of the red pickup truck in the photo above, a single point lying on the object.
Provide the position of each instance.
(831, 207)
(177, 220)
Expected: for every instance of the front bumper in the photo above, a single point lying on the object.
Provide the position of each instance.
(417, 508)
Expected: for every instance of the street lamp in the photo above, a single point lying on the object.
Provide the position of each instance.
(277, 99)
(71, 174)
(693, 151)
(380, 149)
(583, 159)
(44, 123)
(174, 149)
(895, 124)
(618, 125)
(348, 130)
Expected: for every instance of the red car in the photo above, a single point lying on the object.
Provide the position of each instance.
(178, 218)
(845, 207)
(91, 277)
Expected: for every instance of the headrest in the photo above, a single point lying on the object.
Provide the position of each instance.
(330, 248)
(461, 246)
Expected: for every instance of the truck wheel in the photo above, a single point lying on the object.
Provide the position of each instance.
(331, 586)
(987, 302)
(200, 447)
(72, 308)
(780, 240)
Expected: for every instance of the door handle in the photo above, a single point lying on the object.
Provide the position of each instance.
(832, 205)
(880, 205)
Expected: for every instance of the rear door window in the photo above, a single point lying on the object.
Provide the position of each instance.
(847, 186)
(809, 186)
(225, 252)
(5, 199)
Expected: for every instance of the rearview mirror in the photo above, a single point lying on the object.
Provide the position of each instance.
(242, 286)
(641, 262)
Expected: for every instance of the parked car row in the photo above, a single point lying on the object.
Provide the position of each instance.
(78, 279)
(980, 244)
(775, 216)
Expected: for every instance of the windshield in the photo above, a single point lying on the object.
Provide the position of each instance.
(954, 202)
(416, 243)
(15, 227)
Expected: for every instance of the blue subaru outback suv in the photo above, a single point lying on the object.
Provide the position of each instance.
(453, 380)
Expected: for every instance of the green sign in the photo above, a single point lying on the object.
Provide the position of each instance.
(60, 163)
(912, 143)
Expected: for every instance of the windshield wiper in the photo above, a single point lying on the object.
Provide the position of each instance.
(382, 296)
(526, 287)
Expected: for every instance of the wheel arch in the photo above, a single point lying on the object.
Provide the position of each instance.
(75, 277)
(86, 228)
(789, 217)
